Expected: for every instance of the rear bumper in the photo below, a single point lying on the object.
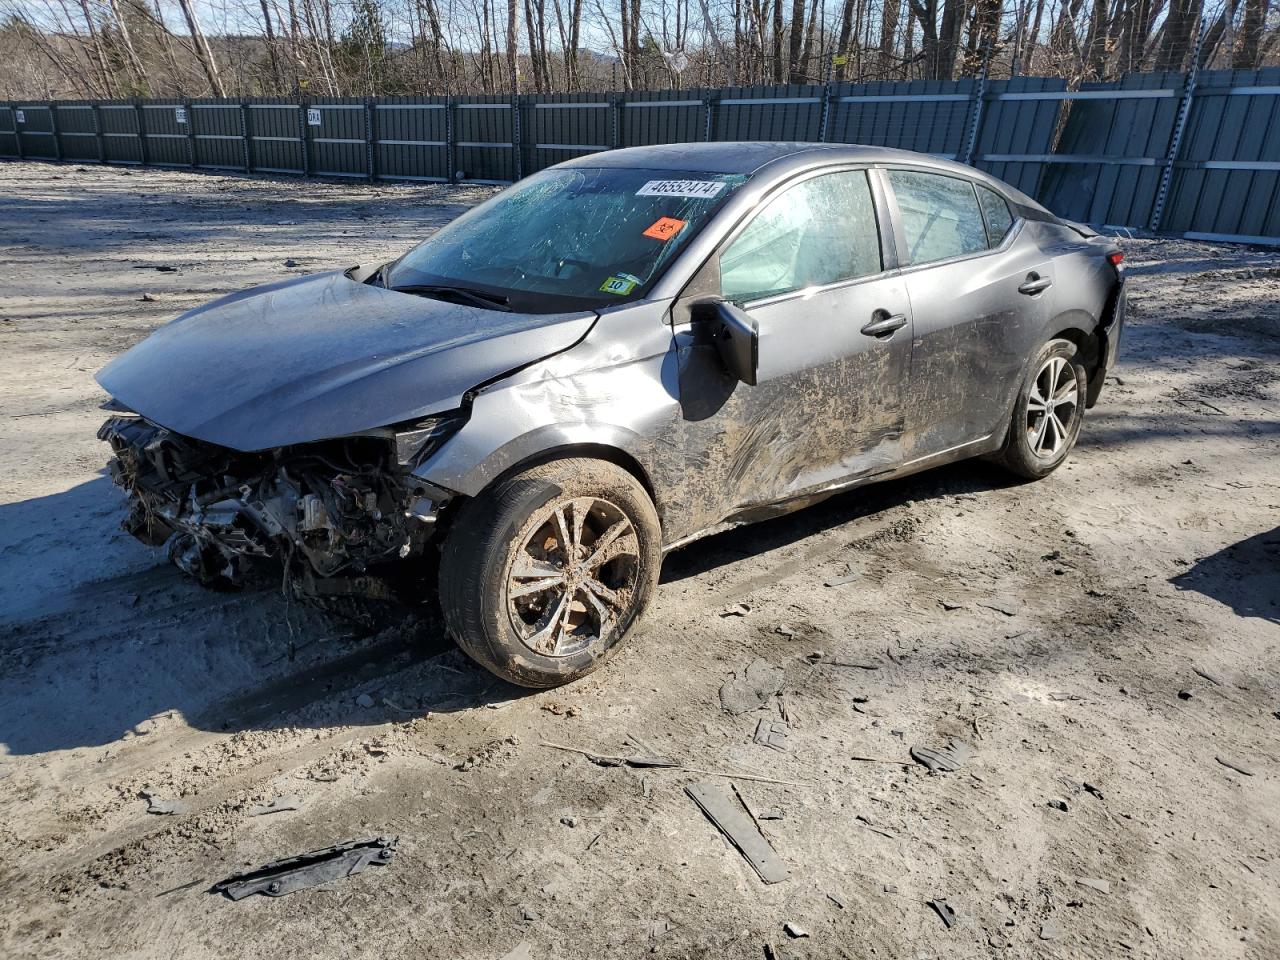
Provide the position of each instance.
(1109, 334)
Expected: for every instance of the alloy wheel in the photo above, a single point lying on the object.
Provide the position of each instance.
(1052, 405)
(573, 577)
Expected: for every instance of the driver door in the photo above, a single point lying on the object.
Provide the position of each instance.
(834, 349)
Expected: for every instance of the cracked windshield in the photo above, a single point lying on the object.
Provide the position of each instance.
(565, 239)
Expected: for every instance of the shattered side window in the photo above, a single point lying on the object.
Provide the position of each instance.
(820, 231)
(995, 210)
(940, 216)
(573, 238)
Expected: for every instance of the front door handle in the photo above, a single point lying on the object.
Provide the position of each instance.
(1035, 284)
(883, 324)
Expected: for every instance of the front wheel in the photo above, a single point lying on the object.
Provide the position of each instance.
(546, 572)
(1047, 414)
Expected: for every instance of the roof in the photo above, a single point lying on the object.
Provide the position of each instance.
(743, 156)
(749, 156)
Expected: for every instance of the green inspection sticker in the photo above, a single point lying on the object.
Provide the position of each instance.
(620, 284)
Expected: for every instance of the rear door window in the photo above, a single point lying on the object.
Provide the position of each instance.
(940, 216)
(995, 210)
(819, 231)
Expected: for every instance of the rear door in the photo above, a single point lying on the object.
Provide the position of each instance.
(834, 347)
(978, 291)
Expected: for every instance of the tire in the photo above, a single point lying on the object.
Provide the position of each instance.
(1037, 442)
(508, 538)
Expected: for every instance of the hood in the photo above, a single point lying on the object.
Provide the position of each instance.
(323, 356)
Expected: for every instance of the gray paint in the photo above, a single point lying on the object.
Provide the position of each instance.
(322, 356)
(833, 407)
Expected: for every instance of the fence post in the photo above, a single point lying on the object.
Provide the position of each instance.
(191, 131)
(245, 143)
(53, 126)
(17, 134)
(144, 155)
(449, 152)
(709, 116)
(615, 128)
(97, 134)
(975, 113)
(1179, 125)
(304, 136)
(370, 140)
(516, 145)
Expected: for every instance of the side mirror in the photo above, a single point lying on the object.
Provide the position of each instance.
(735, 335)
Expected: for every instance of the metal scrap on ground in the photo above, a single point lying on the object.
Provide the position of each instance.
(732, 819)
(281, 877)
(773, 733)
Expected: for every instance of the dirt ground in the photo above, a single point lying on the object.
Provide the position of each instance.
(1116, 625)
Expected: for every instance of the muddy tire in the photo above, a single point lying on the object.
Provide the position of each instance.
(1047, 413)
(546, 572)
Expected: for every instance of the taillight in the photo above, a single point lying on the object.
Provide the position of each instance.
(1115, 259)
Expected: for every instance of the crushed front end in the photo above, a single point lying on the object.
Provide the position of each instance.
(334, 513)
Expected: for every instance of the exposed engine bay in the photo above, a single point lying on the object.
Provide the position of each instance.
(330, 512)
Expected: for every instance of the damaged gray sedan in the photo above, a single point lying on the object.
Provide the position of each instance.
(606, 361)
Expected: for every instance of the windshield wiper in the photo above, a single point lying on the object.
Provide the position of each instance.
(490, 301)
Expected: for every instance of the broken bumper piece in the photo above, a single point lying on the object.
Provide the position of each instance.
(281, 877)
(329, 511)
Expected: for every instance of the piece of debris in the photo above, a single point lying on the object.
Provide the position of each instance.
(1102, 886)
(772, 813)
(946, 759)
(943, 909)
(658, 928)
(1216, 681)
(278, 805)
(526, 914)
(1010, 608)
(773, 734)
(162, 267)
(785, 630)
(559, 709)
(757, 685)
(607, 760)
(364, 700)
(1050, 930)
(1089, 788)
(866, 822)
(794, 930)
(519, 952)
(951, 605)
(1061, 697)
(737, 610)
(836, 900)
(569, 822)
(861, 759)
(291, 263)
(281, 877)
(162, 808)
(841, 580)
(1184, 694)
(890, 888)
(147, 298)
(1232, 765)
(732, 819)
(1058, 804)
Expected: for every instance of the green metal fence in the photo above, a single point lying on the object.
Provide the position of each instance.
(1193, 155)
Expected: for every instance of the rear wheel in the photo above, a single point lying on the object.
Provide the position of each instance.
(545, 573)
(1047, 414)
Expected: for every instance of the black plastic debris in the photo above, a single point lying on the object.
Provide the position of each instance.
(1058, 805)
(773, 734)
(944, 910)
(732, 819)
(281, 877)
(946, 759)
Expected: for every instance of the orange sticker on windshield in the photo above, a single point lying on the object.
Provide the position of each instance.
(664, 228)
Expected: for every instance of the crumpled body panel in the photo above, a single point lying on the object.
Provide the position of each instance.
(320, 357)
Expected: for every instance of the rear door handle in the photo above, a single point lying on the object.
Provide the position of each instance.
(883, 324)
(1035, 284)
